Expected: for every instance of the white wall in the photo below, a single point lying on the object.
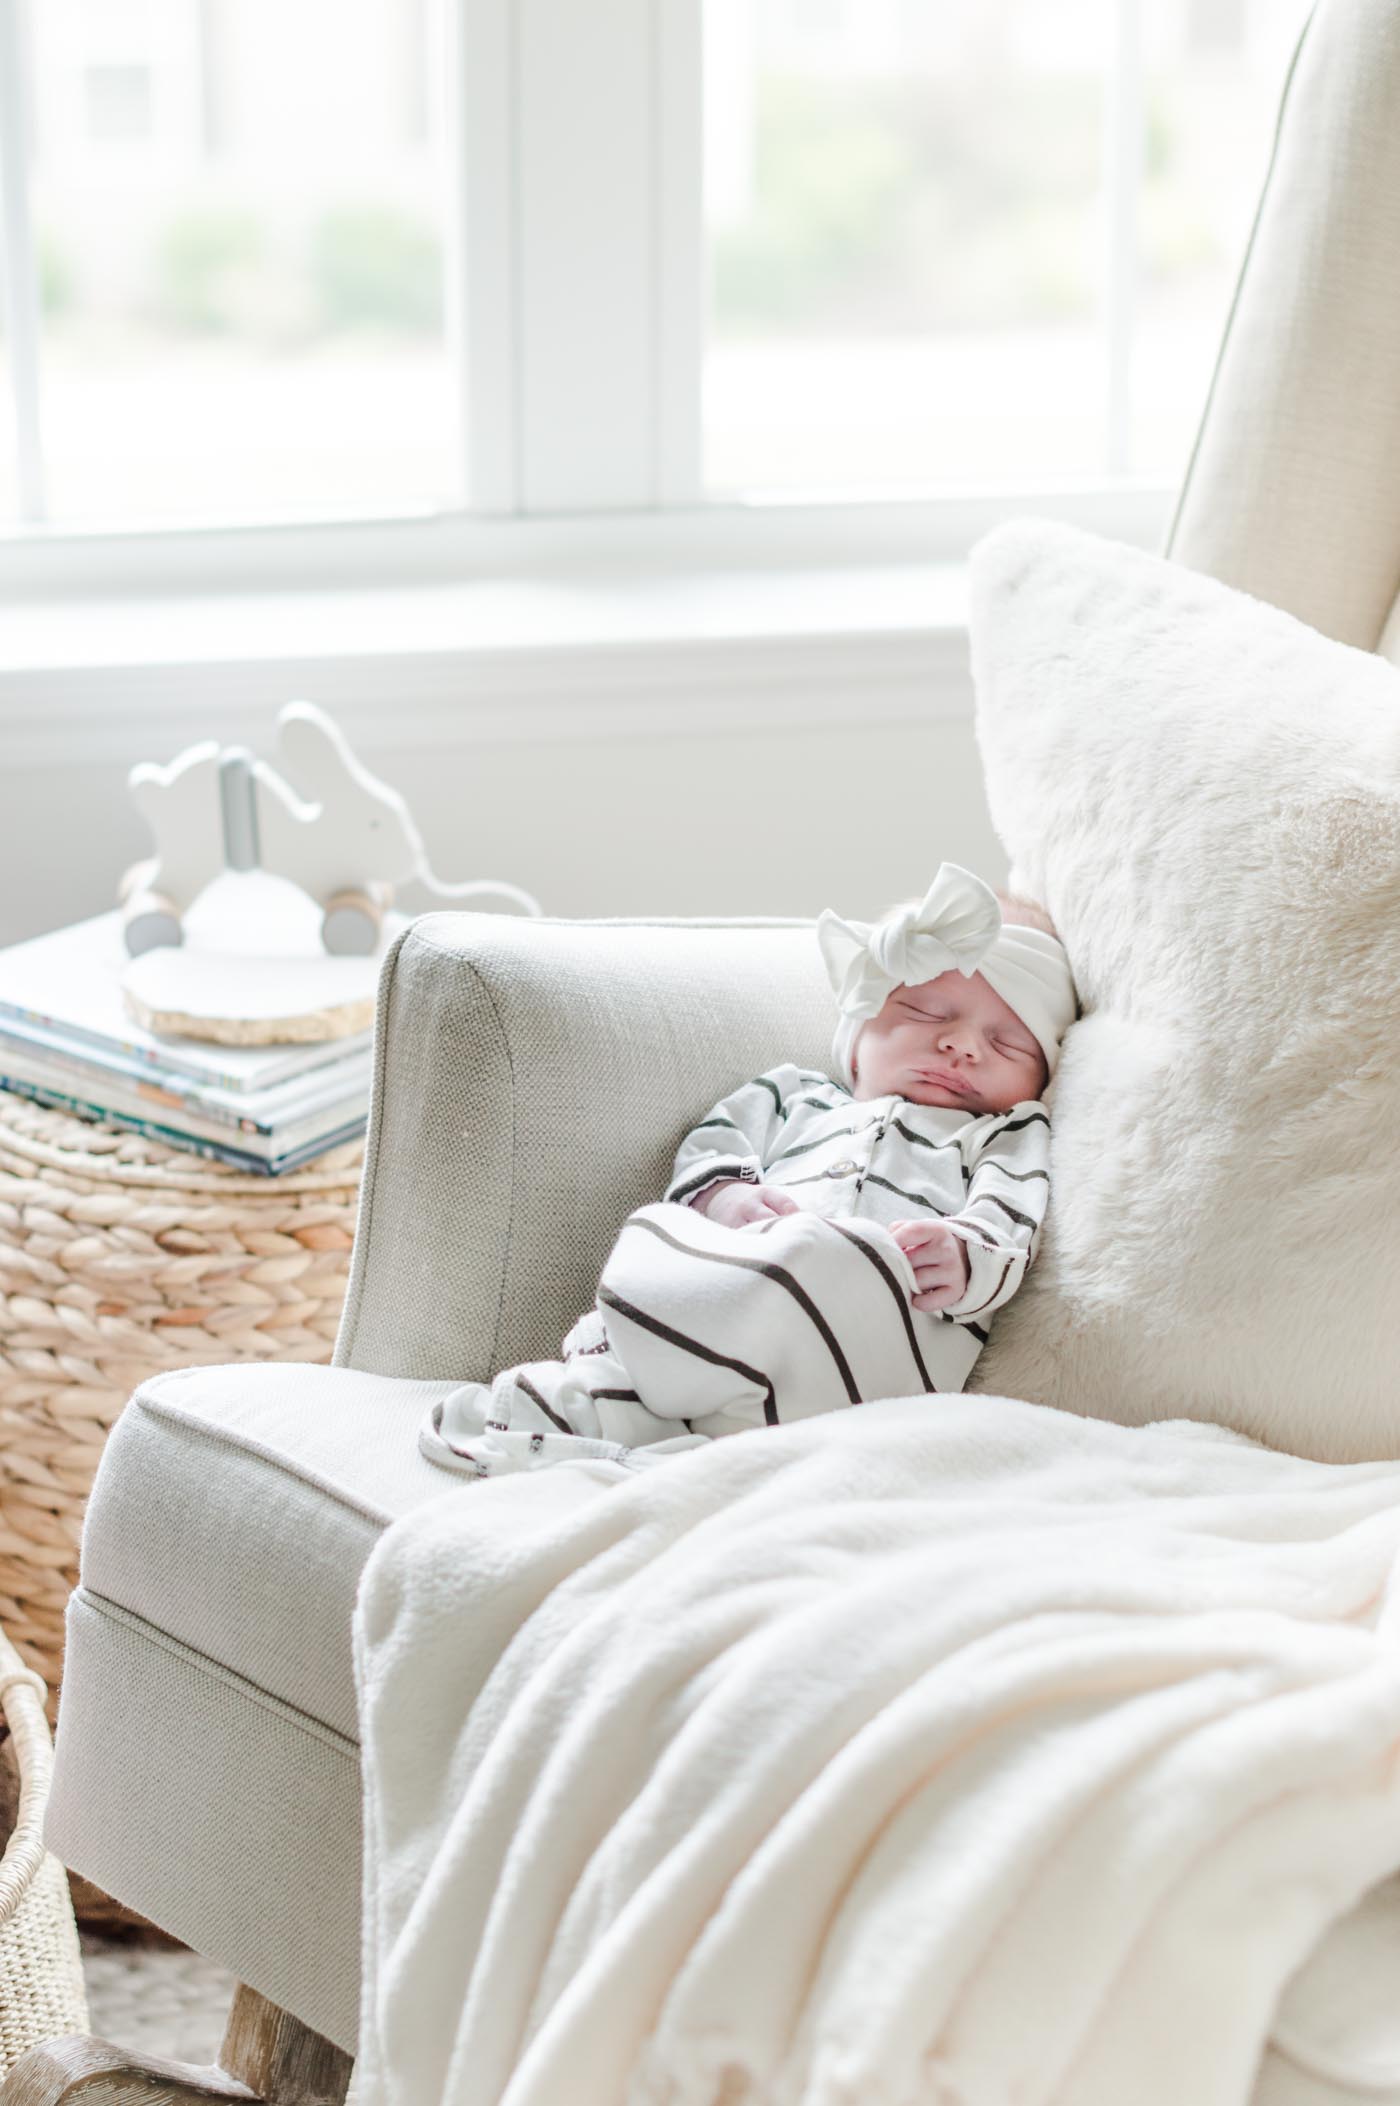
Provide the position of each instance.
(782, 820)
(762, 742)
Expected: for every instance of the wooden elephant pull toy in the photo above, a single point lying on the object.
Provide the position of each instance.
(342, 836)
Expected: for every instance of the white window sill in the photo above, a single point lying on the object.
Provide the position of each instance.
(604, 654)
(454, 629)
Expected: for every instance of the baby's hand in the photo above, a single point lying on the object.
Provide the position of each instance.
(939, 1259)
(734, 1203)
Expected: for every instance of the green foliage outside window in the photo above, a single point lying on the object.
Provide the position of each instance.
(224, 273)
(56, 282)
(375, 267)
(204, 263)
(930, 205)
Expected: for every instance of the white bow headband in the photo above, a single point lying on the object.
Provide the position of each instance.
(956, 927)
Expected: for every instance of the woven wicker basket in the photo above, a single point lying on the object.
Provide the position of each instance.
(119, 1257)
(41, 1971)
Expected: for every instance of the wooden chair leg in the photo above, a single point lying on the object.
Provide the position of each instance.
(268, 2058)
(279, 2059)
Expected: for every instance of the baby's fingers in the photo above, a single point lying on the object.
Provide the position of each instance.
(778, 1202)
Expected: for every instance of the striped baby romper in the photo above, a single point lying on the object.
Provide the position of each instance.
(700, 1330)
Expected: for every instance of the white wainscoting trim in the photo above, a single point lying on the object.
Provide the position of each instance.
(495, 662)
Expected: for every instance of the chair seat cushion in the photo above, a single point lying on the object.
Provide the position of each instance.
(235, 1507)
(206, 1765)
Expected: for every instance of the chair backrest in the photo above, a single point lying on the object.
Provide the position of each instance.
(1293, 491)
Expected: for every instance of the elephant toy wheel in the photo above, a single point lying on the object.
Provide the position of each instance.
(150, 923)
(350, 924)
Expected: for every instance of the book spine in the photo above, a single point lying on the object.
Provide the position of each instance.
(192, 1144)
(177, 1092)
(310, 1150)
(166, 1057)
(146, 1055)
(264, 1111)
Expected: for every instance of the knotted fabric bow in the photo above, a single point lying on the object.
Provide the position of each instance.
(956, 927)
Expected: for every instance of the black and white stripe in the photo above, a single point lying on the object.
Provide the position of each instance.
(886, 1159)
(701, 1330)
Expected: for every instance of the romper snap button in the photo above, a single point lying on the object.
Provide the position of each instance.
(840, 1169)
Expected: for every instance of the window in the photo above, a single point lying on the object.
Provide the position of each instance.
(902, 211)
(236, 234)
(352, 259)
(974, 244)
(118, 102)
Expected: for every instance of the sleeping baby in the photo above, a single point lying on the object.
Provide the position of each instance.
(825, 1240)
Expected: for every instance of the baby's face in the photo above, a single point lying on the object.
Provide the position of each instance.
(953, 1041)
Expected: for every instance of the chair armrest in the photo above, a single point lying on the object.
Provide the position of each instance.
(533, 1079)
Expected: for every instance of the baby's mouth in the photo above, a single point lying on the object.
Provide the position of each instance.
(936, 1078)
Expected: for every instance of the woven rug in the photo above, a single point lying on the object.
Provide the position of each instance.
(155, 1999)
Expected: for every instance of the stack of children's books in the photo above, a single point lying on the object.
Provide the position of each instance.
(68, 1038)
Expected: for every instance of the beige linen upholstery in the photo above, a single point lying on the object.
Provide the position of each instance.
(1292, 493)
(535, 1079)
(210, 1771)
(260, 1549)
(230, 1820)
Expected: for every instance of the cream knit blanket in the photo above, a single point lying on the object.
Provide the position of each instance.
(939, 1752)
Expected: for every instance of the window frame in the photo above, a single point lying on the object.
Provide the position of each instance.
(574, 274)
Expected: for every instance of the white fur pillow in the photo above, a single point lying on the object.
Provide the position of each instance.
(1206, 796)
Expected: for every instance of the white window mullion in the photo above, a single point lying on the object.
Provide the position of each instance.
(678, 235)
(585, 168)
(610, 255)
(1123, 154)
(19, 279)
(481, 77)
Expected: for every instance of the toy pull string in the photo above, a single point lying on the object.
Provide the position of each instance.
(419, 893)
